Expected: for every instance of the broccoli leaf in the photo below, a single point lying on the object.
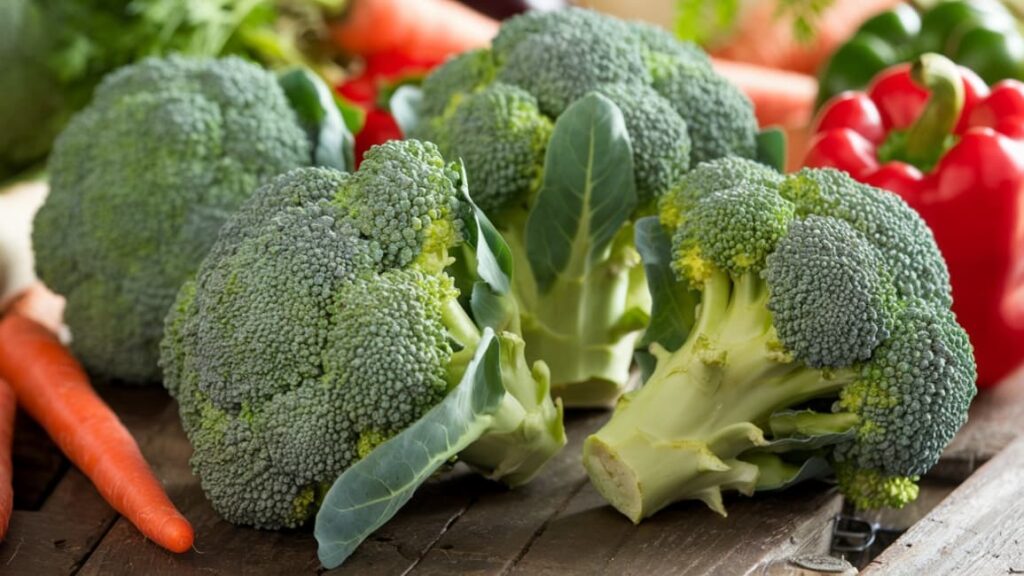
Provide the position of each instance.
(587, 194)
(493, 257)
(777, 474)
(673, 303)
(373, 489)
(405, 105)
(771, 148)
(317, 109)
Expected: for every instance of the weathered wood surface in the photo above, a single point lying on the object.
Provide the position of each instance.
(996, 420)
(457, 523)
(977, 530)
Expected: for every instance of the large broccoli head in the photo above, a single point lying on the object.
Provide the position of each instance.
(517, 113)
(678, 111)
(141, 181)
(323, 323)
(823, 336)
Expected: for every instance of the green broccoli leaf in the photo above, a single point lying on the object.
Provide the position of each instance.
(587, 194)
(372, 490)
(493, 257)
(673, 303)
(405, 105)
(777, 474)
(314, 104)
(771, 148)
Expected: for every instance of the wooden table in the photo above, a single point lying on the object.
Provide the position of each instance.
(459, 523)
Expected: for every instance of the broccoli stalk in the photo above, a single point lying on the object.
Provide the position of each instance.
(586, 325)
(704, 406)
(526, 430)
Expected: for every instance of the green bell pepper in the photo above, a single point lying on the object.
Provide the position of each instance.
(980, 34)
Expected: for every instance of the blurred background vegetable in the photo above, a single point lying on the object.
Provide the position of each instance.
(983, 35)
(55, 52)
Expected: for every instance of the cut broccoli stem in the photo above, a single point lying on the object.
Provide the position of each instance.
(728, 378)
(577, 327)
(526, 430)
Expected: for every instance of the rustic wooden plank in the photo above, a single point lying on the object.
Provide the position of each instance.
(491, 536)
(589, 537)
(38, 464)
(976, 530)
(996, 419)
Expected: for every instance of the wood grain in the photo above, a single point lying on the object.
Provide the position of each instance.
(976, 530)
(996, 419)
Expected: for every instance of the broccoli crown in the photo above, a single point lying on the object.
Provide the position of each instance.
(346, 302)
(141, 181)
(808, 300)
(845, 310)
(664, 88)
(900, 235)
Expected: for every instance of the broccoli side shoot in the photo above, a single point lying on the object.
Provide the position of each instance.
(815, 340)
(499, 110)
(140, 183)
(323, 323)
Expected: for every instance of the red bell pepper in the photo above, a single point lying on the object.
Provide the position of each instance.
(383, 73)
(953, 149)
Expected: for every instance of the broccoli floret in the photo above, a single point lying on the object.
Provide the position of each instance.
(322, 323)
(569, 54)
(708, 177)
(661, 142)
(719, 117)
(905, 241)
(460, 75)
(141, 181)
(803, 347)
(502, 136)
(498, 109)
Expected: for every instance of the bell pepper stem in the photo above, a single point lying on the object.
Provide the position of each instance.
(942, 111)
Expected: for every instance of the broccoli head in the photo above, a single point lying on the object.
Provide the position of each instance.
(816, 340)
(323, 323)
(498, 109)
(141, 181)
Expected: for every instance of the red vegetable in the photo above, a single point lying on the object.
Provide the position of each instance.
(371, 90)
(54, 390)
(954, 150)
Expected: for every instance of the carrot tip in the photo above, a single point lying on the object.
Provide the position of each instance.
(176, 536)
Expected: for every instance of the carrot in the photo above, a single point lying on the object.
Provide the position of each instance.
(54, 390)
(7, 409)
(429, 29)
(780, 98)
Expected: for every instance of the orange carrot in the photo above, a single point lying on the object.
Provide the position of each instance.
(427, 29)
(54, 390)
(7, 409)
